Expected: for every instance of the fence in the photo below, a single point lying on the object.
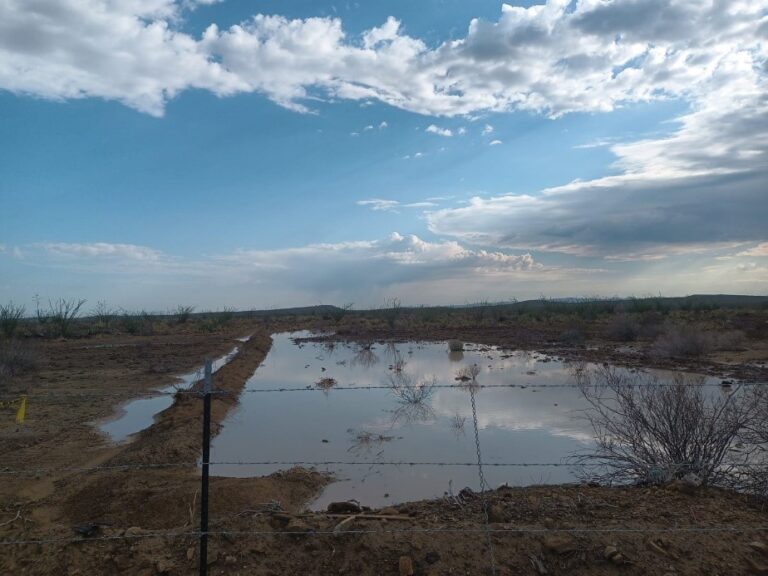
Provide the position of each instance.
(202, 535)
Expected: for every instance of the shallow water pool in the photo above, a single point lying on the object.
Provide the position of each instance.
(381, 425)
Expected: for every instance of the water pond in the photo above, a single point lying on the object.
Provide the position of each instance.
(136, 415)
(383, 424)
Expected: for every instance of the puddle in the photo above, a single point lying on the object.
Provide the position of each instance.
(374, 426)
(136, 415)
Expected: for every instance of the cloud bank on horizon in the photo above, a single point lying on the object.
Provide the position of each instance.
(698, 191)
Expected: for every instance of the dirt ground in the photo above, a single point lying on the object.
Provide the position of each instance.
(259, 525)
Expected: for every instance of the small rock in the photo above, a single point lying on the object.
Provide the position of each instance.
(759, 546)
(559, 543)
(213, 557)
(164, 566)
(191, 553)
(133, 531)
(350, 507)
(497, 514)
(757, 567)
(280, 519)
(230, 560)
(297, 526)
(406, 566)
(610, 552)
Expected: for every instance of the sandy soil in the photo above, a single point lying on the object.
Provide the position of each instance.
(259, 522)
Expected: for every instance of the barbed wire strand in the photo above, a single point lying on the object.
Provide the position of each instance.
(480, 529)
(320, 463)
(129, 395)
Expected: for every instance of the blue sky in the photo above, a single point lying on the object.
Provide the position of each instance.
(445, 151)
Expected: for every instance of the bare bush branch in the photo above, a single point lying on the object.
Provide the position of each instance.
(10, 315)
(62, 312)
(647, 430)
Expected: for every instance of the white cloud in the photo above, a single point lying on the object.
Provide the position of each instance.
(445, 132)
(553, 58)
(378, 204)
(495, 142)
(461, 131)
(759, 250)
(700, 188)
(367, 128)
(101, 250)
(383, 125)
(487, 129)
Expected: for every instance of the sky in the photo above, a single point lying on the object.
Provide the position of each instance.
(233, 153)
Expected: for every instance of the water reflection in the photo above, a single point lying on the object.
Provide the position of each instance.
(136, 415)
(426, 422)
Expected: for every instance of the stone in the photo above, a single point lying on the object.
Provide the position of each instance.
(280, 519)
(610, 552)
(191, 553)
(757, 567)
(350, 507)
(230, 560)
(559, 543)
(298, 527)
(497, 514)
(164, 566)
(759, 547)
(406, 566)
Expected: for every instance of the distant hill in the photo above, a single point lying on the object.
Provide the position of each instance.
(632, 303)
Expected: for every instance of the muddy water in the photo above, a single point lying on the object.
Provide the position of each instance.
(371, 426)
(139, 414)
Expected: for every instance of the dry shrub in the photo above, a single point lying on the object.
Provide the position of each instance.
(622, 329)
(682, 340)
(730, 341)
(468, 373)
(753, 479)
(572, 336)
(10, 316)
(651, 430)
(18, 357)
(455, 346)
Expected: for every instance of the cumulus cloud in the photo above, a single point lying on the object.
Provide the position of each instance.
(368, 269)
(398, 259)
(445, 132)
(701, 187)
(495, 142)
(553, 58)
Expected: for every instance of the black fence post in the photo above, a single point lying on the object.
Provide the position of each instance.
(207, 384)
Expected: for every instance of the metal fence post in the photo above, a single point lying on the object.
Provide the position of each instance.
(207, 385)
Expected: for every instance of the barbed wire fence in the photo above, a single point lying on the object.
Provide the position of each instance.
(207, 393)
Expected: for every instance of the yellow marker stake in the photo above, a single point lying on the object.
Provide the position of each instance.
(22, 412)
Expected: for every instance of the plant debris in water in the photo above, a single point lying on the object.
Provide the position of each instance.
(326, 383)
